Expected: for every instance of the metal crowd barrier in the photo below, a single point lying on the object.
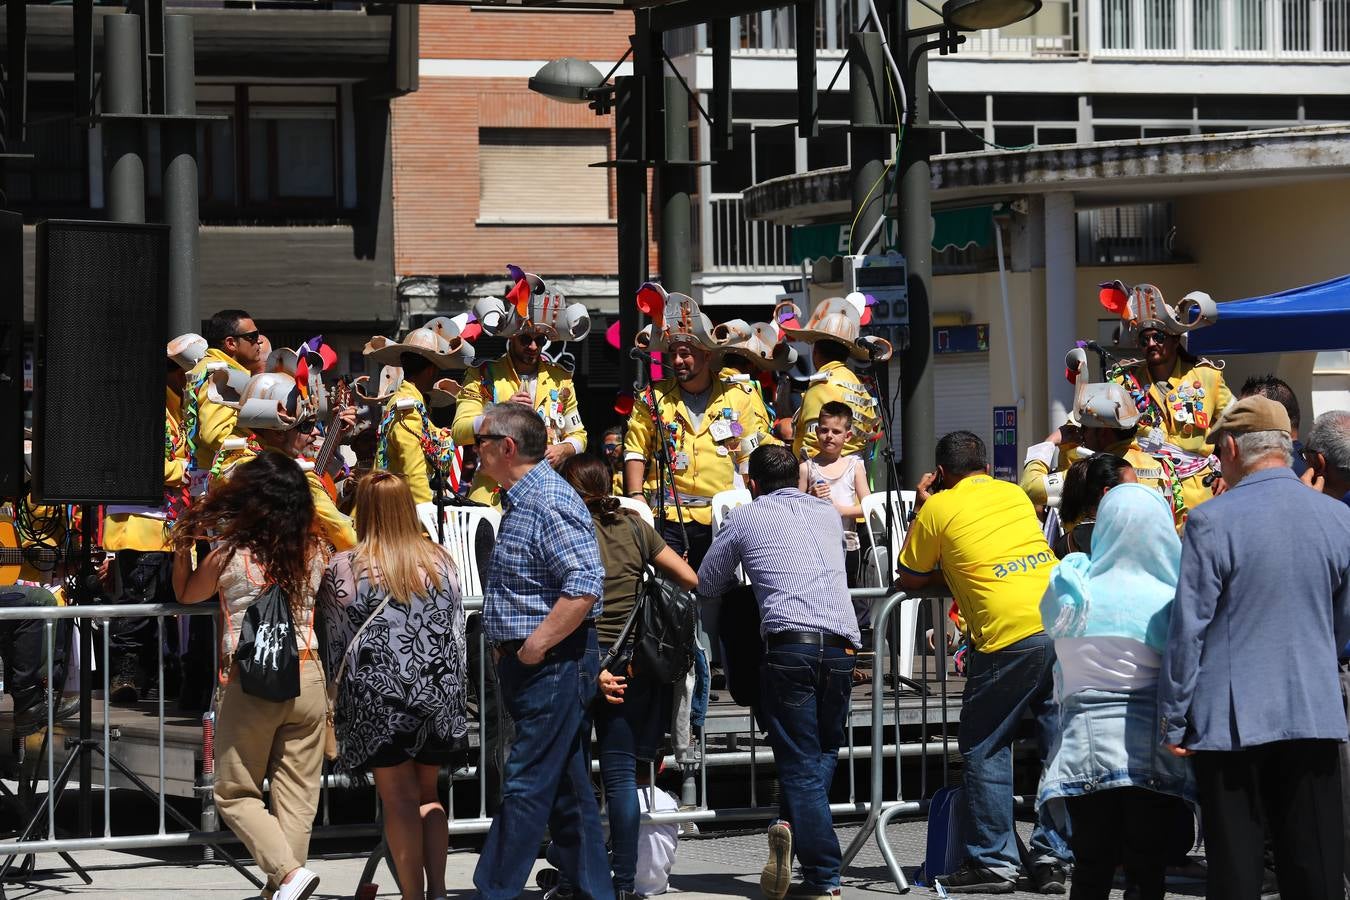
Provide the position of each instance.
(882, 749)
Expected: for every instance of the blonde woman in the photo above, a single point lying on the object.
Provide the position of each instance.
(393, 626)
(261, 521)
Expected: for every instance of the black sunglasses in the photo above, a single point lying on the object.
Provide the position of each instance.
(480, 439)
(307, 426)
(1153, 337)
(532, 340)
(251, 336)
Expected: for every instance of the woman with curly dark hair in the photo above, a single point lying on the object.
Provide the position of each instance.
(261, 524)
(393, 627)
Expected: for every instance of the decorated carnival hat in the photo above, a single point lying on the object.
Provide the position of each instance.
(531, 306)
(675, 318)
(1098, 405)
(441, 352)
(442, 393)
(761, 343)
(462, 329)
(187, 350)
(273, 401)
(838, 319)
(1142, 308)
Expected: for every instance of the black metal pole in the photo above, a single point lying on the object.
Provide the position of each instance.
(87, 517)
(917, 435)
(631, 213)
(867, 97)
(676, 270)
(180, 174)
(123, 94)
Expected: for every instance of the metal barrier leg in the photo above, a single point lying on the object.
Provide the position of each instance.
(887, 854)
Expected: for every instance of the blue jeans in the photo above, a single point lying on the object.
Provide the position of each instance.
(805, 691)
(547, 780)
(1000, 687)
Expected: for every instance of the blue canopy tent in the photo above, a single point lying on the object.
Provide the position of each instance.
(1315, 317)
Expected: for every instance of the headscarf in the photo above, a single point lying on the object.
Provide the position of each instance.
(1125, 588)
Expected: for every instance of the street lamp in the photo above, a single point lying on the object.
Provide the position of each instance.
(976, 15)
(568, 80)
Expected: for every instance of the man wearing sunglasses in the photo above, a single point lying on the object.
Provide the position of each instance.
(235, 342)
(525, 377)
(1179, 396)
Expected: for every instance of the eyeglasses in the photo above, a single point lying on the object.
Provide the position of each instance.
(480, 439)
(1152, 337)
(251, 336)
(532, 340)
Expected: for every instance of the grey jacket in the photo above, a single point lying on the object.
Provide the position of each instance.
(1262, 608)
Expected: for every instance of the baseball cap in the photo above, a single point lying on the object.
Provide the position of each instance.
(1255, 413)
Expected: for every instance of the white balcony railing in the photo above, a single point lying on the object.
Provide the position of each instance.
(1221, 29)
(737, 244)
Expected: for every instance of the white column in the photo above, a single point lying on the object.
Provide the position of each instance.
(1060, 319)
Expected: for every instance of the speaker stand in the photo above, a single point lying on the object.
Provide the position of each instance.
(83, 750)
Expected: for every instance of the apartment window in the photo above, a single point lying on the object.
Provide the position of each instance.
(215, 157)
(58, 175)
(542, 175)
(291, 154)
(733, 170)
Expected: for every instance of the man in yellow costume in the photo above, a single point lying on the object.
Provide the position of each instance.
(138, 536)
(236, 346)
(1103, 421)
(531, 317)
(278, 413)
(1179, 396)
(407, 442)
(707, 427)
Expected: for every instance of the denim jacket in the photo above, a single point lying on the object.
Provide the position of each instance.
(1109, 740)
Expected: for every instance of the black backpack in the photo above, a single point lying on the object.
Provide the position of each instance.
(266, 658)
(658, 638)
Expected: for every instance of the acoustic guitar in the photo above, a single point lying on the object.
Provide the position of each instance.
(13, 556)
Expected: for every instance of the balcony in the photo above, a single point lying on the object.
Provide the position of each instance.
(735, 244)
(1200, 30)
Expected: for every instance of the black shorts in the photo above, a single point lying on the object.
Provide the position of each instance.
(399, 750)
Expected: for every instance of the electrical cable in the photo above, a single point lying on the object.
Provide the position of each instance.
(972, 131)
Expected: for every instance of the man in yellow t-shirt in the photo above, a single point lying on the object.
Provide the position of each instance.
(982, 537)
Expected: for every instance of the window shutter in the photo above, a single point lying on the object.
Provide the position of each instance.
(532, 175)
(961, 396)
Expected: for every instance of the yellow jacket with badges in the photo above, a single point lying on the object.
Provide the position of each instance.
(335, 526)
(1150, 472)
(843, 385)
(555, 399)
(1179, 412)
(402, 441)
(215, 422)
(712, 450)
(149, 532)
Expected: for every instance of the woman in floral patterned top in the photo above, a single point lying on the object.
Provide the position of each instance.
(391, 612)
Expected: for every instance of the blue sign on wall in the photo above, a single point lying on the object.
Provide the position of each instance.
(1005, 443)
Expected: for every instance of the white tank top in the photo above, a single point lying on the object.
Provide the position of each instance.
(843, 492)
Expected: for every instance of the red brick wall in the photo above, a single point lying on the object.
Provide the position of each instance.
(436, 184)
(458, 32)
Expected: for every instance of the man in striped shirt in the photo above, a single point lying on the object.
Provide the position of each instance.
(791, 546)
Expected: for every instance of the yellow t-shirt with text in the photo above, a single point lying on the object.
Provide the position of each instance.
(985, 536)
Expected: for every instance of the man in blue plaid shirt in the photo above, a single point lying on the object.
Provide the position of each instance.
(542, 597)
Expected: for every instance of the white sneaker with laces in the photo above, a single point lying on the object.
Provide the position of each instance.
(302, 884)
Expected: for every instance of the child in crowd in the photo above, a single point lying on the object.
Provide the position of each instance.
(840, 479)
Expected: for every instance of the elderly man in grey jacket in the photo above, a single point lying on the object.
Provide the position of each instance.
(1249, 681)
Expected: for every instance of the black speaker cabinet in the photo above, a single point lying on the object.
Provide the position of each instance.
(99, 366)
(11, 354)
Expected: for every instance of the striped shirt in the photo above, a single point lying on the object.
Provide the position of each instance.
(545, 549)
(792, 547)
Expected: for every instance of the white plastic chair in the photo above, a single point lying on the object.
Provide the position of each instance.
(880, 568)
(462, 527)
(643, 510)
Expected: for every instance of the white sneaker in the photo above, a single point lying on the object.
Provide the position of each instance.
(302, 884)
(776, 877)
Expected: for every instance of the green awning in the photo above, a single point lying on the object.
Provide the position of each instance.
(959, 228)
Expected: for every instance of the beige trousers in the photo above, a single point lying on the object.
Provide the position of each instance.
(257, 739)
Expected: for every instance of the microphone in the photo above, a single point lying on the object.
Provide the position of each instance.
(1098, 348)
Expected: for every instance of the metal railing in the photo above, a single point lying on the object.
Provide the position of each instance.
(868, 762)
(1221, 29)
(741, 244)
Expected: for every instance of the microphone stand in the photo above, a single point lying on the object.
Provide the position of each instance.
(664, 468)
(881, 377)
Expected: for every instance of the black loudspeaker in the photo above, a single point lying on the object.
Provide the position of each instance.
(102, 320)
(11, 354)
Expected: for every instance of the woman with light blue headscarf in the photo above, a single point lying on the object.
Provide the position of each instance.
(1108, 773)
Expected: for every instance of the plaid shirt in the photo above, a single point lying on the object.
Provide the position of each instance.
(545, 549)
